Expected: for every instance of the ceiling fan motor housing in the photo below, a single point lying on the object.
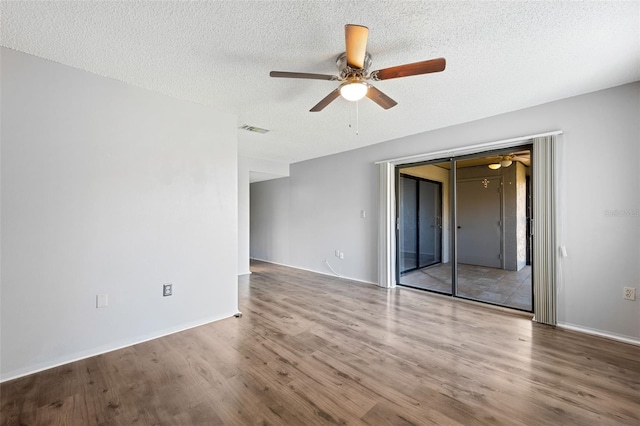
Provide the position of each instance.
(346, 70)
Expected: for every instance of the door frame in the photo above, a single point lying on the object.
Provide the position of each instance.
(546, 161)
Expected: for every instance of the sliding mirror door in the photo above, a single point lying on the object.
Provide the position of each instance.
(489, 197)
(492, 229)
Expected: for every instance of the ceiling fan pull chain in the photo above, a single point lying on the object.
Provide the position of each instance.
(357, 118)
(350, 118)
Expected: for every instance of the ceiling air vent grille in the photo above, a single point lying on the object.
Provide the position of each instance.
(253, 129)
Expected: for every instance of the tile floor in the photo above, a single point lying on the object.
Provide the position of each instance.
(498, 286)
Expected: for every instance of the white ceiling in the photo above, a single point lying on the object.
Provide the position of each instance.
(501, 56)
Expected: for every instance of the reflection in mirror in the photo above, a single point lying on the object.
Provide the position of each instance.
(493, 240)
(424, 249)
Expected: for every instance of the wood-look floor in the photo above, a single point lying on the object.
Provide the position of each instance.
(312, 349)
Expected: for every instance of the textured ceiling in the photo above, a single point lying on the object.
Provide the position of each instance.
(501, 56)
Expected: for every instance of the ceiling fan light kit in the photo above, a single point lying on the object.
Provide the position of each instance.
(353, 90)
(354, 65)
(505, 161)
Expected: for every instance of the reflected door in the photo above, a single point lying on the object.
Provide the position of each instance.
(479, 226)
(408, 224)
(420, 223)
(429, 223)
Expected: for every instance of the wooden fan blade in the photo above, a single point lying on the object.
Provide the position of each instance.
(356, 41)
(285, 74)
(380, 98)
(326, 101)
(416, 68)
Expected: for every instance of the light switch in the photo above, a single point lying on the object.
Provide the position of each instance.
(102, 300)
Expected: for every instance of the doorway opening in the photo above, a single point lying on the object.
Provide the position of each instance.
(483, 227)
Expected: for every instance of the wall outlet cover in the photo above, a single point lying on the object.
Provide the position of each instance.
(629, 293)
(167, 290)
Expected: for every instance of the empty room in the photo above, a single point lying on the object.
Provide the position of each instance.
(319, 212)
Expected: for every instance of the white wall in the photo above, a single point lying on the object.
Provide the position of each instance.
(108, 189)
(601, 175)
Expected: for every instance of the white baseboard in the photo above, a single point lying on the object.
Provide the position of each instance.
(315, 272)
(600, 333)
(16, 374)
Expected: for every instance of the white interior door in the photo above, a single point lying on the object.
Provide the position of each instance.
(479, 225)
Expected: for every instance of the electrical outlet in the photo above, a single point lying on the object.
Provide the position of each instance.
(629, 293)
(341, 255)
(167, 290)
(337, 252)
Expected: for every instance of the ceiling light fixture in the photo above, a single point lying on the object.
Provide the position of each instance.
(354, 90)
(505, 161)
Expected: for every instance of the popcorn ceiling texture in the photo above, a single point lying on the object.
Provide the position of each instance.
(501, 56)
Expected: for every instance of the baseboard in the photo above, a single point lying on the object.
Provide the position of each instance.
(315, 272)
(78, 356)
(600, 333)
(244, 273)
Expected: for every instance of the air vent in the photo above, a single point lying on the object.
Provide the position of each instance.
(252, 129)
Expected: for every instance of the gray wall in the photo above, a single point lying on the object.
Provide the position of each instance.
(271, 223)
(108, 189)
(251, 169)
(319, 204)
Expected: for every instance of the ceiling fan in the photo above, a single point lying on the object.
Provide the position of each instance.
(354, 65)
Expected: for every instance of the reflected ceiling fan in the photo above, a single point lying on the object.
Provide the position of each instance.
(506, 160)
(354, 72)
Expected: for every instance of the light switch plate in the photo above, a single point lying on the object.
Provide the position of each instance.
(102, 300)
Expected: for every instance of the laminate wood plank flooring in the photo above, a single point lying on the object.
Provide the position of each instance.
(314, 350)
